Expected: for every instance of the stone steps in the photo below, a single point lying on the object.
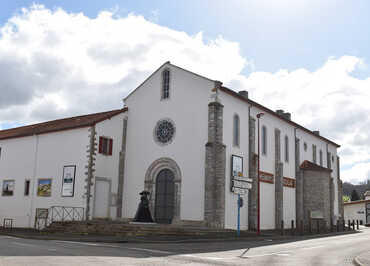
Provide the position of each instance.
(126, 229)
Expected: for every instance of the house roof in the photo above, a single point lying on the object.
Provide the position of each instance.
(271, 112)
(356, 202)
(59, 124)
(307, 165)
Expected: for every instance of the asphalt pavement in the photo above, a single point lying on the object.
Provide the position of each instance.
(333, 250)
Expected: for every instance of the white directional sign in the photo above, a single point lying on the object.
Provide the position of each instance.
(239, 190)
(241, 184)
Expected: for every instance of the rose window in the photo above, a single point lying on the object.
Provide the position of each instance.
(164, 131)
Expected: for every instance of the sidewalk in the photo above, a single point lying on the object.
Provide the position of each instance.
(33, 234)
(363, 259)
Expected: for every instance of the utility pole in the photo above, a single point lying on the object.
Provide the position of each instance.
(259, 115)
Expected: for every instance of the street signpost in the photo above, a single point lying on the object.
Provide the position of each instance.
(239, 183)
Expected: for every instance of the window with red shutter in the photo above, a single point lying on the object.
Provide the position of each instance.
(110, 147)
(100, 144)
(105, 145)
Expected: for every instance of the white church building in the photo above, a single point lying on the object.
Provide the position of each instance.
(182, 137)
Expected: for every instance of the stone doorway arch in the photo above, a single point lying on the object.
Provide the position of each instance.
(150, 184)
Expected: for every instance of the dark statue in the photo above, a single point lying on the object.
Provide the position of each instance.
(143, 213)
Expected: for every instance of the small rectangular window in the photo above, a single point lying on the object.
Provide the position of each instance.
(313, 153)
(27, 187)
(320, 157)
(105, 145)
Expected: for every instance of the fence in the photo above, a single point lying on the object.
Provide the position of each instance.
(45, 217)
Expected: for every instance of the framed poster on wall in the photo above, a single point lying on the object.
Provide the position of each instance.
(44, 187)
(8, 188)
(237, 166)
(68, 182)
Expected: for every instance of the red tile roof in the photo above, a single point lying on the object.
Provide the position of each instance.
(307, 165)
(356, 202)
(59, 124)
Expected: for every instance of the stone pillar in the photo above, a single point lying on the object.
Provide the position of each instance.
(121, 169)
(252, 163)
(214, 209)
(340, 198)
(279, 191)
(331, 188)
(340, 190)
(299, 183)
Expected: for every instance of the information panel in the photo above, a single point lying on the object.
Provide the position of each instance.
(68, 185)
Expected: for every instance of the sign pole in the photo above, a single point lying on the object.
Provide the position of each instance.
(238, 231)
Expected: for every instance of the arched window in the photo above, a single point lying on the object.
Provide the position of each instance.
(264, 140)
(236, 131)
(166, 84)
(286, 145)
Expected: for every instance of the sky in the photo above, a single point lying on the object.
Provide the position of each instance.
(308, 57)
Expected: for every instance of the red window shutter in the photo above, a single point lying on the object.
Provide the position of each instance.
(100, 144)
(110, 146)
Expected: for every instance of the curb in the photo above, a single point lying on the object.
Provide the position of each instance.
(357, 262)
(200, 240)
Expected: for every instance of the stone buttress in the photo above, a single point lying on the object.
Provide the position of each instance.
(215, 164)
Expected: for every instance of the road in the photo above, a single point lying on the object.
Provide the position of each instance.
(334, 250)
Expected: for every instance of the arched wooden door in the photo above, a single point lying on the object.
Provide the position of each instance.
(164, 197)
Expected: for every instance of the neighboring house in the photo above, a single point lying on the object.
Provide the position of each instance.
(358, 210)
(181, 138)
(44, 165)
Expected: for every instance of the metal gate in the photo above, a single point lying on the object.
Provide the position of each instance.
(367, 213)
(164, 197)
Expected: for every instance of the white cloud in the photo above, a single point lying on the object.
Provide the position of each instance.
(329, 99)
(56, 64)
(70, 63)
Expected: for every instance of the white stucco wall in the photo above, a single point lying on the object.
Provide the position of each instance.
(107, 165)
(355, 212)
(187, 107)
(232, 107)
(267, 164)
(41, 156)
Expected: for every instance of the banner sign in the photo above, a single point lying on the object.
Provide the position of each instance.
(68, 185)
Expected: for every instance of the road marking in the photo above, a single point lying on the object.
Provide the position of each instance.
(201, 257)
(23, 244)
(152, 250)
(279, 253)
(52, 249)
(88, 244)
(285, 253)
(9, 237)
(312, 247)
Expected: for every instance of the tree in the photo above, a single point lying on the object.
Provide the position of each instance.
(345, 198)
(354, 195)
